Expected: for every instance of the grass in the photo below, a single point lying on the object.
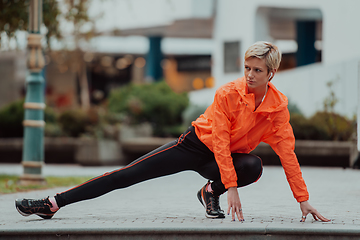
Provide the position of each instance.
(10, 183)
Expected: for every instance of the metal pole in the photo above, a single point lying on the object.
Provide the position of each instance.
(33, 146)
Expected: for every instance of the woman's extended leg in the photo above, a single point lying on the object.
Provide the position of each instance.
(180, 155)
(186, 153)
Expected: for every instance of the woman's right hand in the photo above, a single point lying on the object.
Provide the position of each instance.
(234, 204)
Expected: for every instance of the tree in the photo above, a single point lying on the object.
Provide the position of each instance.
(14, 16)
(78, 16)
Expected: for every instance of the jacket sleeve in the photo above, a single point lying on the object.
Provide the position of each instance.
(221, 126)
(282, 141)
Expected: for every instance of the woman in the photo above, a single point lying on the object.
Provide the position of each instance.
(244, 113)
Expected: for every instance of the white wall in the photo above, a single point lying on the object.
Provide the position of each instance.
(236, 20)
(307, 86)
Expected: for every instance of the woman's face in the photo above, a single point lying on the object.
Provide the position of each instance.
(256, 73)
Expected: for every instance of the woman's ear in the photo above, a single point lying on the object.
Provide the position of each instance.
(272, 73)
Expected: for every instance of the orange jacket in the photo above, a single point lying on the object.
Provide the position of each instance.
(230, 125)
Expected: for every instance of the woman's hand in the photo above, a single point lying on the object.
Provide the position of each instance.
(306, 208)
(234, 204)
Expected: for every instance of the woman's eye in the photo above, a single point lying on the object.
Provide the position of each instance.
(258, 70)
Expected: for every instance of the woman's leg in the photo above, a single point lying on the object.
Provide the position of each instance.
(180, 155)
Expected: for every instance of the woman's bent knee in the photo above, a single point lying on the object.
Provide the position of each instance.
(248, 164)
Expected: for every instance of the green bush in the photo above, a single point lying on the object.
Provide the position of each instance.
(338, 127)
(155, 103)
(50, 116)
(73, 122)
(322, 126)
(11, 118)
(305, 129)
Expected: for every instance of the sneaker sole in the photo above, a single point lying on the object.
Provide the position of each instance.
(22, 213)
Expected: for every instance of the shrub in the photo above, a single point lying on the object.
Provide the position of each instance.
(50, 116)
(11, 118)
(73, 122)
(338, 127)
(322, 126)
(155, 103)
(305, 129)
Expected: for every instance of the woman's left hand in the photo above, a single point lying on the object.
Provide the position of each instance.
(306, 208)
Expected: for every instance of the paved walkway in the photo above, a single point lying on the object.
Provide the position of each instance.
(168, 205)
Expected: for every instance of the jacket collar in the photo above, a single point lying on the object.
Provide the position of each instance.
(274, 100)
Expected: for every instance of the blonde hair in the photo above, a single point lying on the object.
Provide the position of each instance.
(267, 51)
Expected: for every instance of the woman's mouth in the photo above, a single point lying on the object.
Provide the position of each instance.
(250, 81)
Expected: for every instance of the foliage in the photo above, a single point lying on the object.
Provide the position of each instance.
(14, 17)
(10, 183)
(96, 122)
(11, 118)
(305, 129)
(51, 14)
(322, 126)
(338, 127)
(155, 103)
(73, 122)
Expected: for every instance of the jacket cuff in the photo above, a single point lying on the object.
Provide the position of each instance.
(230, 184)
(302, 199)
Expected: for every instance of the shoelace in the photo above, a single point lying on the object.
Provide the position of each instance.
(40, 203)
(214, 203)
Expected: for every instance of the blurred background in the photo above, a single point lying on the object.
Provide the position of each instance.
(123, 77)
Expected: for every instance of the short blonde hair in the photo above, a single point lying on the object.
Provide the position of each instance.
(267, 51)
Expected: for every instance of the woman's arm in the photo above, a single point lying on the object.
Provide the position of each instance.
(283, 143)
(221, 125)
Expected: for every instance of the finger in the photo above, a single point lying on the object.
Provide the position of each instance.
(319, 216)
(322, 218)
(303, 218)
(228, 211)
(315, 217)
(241, 217)
(233, 213)
(238, 213)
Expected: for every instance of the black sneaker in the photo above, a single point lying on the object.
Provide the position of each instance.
(210, 202)
(40, 207)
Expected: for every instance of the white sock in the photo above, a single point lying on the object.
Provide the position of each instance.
(54, 207)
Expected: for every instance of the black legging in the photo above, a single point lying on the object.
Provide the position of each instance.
(185, 153)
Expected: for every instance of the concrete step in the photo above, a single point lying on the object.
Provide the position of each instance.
(186, 231)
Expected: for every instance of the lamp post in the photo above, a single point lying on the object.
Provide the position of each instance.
(33, 146)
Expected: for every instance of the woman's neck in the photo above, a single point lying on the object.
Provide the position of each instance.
(259, 93)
